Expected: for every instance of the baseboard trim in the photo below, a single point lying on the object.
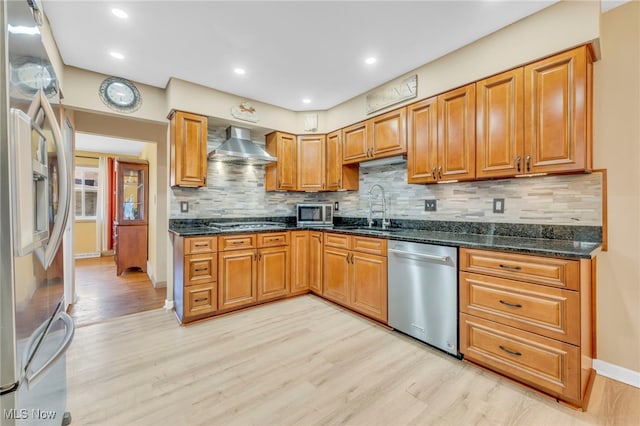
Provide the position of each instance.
(86, 255)
(616, 372)
(168, 304)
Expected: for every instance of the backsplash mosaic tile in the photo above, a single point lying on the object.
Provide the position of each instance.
(238, 191)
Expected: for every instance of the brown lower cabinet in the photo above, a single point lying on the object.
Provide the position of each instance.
(356, 279)
(195, 277)
(252, 268)
(529, 318)
(300, 262)
(315, 261)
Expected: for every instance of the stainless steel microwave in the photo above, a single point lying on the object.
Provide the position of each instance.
(314, 214)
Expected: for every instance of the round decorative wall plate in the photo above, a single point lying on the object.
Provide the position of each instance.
(31, 75)
(120, 94)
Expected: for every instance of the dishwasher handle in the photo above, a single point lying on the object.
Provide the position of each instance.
(422, 255)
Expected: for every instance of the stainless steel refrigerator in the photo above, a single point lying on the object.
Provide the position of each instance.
(35, 199)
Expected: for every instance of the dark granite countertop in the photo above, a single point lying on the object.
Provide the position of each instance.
(460, 237)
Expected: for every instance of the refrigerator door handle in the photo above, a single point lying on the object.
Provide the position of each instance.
(38, 106)
(32, 377)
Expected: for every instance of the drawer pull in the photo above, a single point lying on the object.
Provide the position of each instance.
(511, 268)
(201, 245)
(242, 242)
(206, 269)
(509, 351)
(204, 299)
(512, 305)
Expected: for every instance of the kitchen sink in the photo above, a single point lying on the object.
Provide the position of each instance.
(374, 230)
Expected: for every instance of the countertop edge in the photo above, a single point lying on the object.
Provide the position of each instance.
(590, 251)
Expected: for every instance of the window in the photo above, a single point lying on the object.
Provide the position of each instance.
(86, 192)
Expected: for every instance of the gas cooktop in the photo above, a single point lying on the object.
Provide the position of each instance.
(245, 226)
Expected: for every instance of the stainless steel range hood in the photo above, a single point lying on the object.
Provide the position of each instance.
(238, 148)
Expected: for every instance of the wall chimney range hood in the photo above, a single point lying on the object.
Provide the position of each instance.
(239, 149)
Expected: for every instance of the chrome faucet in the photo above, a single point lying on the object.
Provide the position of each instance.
(385, 219)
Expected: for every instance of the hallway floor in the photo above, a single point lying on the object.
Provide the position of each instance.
(101, 294)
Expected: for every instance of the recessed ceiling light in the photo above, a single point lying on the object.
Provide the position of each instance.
(240, 71)
(117, 55)
(370, 60)
(306, 101)
(120, 13)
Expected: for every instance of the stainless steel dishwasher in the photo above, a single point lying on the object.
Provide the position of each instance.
(423, 293)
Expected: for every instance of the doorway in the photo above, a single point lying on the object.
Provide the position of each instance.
(100, 293)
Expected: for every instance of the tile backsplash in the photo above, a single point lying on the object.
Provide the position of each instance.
(238, 191)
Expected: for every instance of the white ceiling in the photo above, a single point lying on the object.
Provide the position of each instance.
(290, 49)
(107, 145)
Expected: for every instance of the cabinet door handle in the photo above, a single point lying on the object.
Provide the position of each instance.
(440, 172)
(318, 237)
(255, 256)
(509, 351)
(201, 300)
(511, 305)
(511, 268)
(433, 173)
(518, 161)
(201, 245)
(527, 163)
(201, 269)
(237, 242)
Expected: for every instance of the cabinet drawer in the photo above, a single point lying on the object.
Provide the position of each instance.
(549, 311)
(200, 300)
(370, 245)
(535, 360)
(195, 245)
(200, 268)
(337, 240)
(523, 267)
(235, 242)
(273, 239)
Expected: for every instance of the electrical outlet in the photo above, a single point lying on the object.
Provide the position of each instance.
(184, 206)
(430, 205)
(336, 206)
(498, 205)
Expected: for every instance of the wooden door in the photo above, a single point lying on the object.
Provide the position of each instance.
(237, 276)
(315, 262)
(188, 149)
(355, 147)
(335, 282)
(388, 133)
(557, 99)
(457, 134)
(273, 272)
(500, 125)
(286, 164)
(300, 261)
(368, 286)
(311, 163)
(422, 141)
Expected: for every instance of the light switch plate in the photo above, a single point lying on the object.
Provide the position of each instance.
(498, 205)
(184, 206)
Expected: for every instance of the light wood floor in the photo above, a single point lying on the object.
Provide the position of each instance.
(298, 362)
(104, 295)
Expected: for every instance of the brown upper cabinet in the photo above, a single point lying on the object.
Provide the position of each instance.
(558, 113)
(500, 125)
(537, 118)
(378, 137)
(188, 149)
(281, 175)
(339, 176)
(311, 163)
(441, 137)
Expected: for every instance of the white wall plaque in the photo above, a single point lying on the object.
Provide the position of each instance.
(392, 93)
(246, 112)
(311, 122)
